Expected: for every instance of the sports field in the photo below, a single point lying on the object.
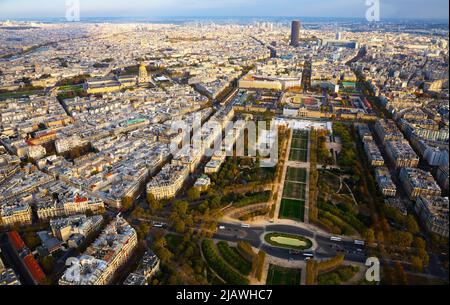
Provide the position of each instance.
(299, 143)
(292, 209)
(299, 146)
(294, 190)
(283, 276)
(298, 155)
(296, 174)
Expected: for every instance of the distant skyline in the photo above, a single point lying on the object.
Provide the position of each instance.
(402, 9)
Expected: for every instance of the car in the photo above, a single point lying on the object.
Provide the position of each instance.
(221, 227)
(245, 225)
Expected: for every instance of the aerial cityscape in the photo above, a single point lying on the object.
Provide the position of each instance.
(211, 150)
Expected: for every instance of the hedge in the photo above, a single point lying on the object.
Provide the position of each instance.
(220, 266)
(233, 258)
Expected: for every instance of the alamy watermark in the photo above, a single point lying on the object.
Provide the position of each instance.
(373, 11)
(72, 10)
(214, 137)
(373, 272)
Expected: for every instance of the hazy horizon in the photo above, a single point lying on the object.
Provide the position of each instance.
(390, 9)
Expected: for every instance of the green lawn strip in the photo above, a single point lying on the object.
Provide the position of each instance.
(298, 155)
(232, 257)
(338, 276)
(299, 143)
(345, 227)
(283, 276)
(294, 190)
(348, 218)
(292, 209)
(296, 174)
(18, 94)
(289, 241)
(218, 264)
(253, 198)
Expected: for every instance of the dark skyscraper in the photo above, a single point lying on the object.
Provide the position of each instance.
(295, 33)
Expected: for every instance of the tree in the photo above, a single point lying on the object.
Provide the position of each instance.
(417, 264)
(47, 263)
(411, 225)
(180, 208)
(160, 242)
(422, 253)
(154, 204)
(144, 229)
(419, 243)
(180, 226)
(138, 212)
(401, 274)
(193, 194)
(369, 236)
(127, 203)
(215, 202)
(31, 240)
(402, 239)
(164, 254)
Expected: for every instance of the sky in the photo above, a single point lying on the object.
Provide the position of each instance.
(415, 9)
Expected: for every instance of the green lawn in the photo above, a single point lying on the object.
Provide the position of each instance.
(299, 155)
(292, 209)
(296, 174)
(299, 143)
(294, 190)
(283, 276)
(18, 94)
(233, 258)
(290, 241)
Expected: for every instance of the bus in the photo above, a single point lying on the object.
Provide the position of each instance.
(335, 238)
(359, 242)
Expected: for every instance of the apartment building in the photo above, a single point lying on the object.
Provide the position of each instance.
(388, 131)
(417, 182)
(433, 212)
(99, 263)
(168, 181)
(384, 182)
(401, 154)
(373, 153)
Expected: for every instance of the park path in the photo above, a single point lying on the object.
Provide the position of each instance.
(283, 177)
